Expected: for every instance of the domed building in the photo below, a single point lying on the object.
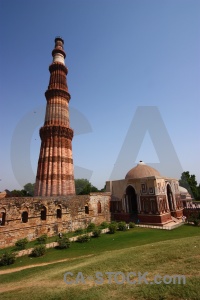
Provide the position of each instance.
(145, 196)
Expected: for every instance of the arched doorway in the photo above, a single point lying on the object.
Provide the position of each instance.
(170, 198)
(86, 209)
(131, 200)
(43, 213)
(24, 217)
(99, 207)
(59, 212)
(2, 217)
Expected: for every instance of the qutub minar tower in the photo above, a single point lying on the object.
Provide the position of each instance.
(55, 173)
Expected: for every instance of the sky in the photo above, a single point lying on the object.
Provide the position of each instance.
(134, 80)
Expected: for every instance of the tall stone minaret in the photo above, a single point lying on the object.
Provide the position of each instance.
(55, 173)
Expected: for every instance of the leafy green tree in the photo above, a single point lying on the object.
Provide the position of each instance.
(84, 187)
(80, 185)
(198, 189)
(189, 182)
(29, 188)
(28, 191)
(103, 189)
(18, 193)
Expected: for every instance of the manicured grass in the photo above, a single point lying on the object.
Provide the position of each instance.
(34, 243)
(107, 242)
(138, 250)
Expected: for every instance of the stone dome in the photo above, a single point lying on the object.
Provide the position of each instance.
(141, 171)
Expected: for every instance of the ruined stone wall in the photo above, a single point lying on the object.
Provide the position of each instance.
(30, 217)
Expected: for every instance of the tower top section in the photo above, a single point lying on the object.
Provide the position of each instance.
(58, 52)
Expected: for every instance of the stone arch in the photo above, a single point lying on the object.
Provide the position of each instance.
(146, 206)
(87, 209)
(24, 216)
(131, 200)
(153, 206)
(2, 216)
(43, 213)
(170, 197)
(99, 207)
(59, 212)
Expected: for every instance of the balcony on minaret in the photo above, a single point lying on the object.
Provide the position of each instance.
(58, 52)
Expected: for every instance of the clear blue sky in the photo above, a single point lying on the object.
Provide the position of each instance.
(121, 54)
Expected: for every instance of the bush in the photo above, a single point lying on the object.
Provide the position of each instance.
(115, 223)
(196, 222)
(38, 251)
(112, 228)
(21, 244)
(83, 239)
(42, 239)
(63, 242)
(91, 227)
(131, 225)
(79, 231)
(96, 233)
(122, 226)
(104, 225)
(7, 259)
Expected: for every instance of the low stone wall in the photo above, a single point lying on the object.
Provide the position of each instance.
(54, 244)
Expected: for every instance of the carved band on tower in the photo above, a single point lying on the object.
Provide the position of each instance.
(55, 173)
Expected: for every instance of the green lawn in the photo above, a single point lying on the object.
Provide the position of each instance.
(138, 250)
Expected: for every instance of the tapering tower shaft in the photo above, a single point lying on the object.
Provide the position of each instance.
(55, 173)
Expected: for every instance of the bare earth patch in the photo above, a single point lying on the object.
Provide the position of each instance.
(41, 264)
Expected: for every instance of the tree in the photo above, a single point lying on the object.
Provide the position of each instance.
(198, 188)
(29, 188)
(84, 187)
(189, 182)
(80, 185)
(28, 191)
(18, 193)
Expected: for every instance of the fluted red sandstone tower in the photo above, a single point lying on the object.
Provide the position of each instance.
(55, 173)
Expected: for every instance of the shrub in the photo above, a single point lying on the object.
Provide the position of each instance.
(115, 223)
(104, 225)
(131, 225)
(96, 233)
(79, 231)
(63, 242)
(21, 244)
(91, 227)
(83, 238)
(38, 251)
(122, 226)
(112, 228)
(42, 239)
(7, 259)
(196, 222)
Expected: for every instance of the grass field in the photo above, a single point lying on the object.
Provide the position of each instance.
(137, 250)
